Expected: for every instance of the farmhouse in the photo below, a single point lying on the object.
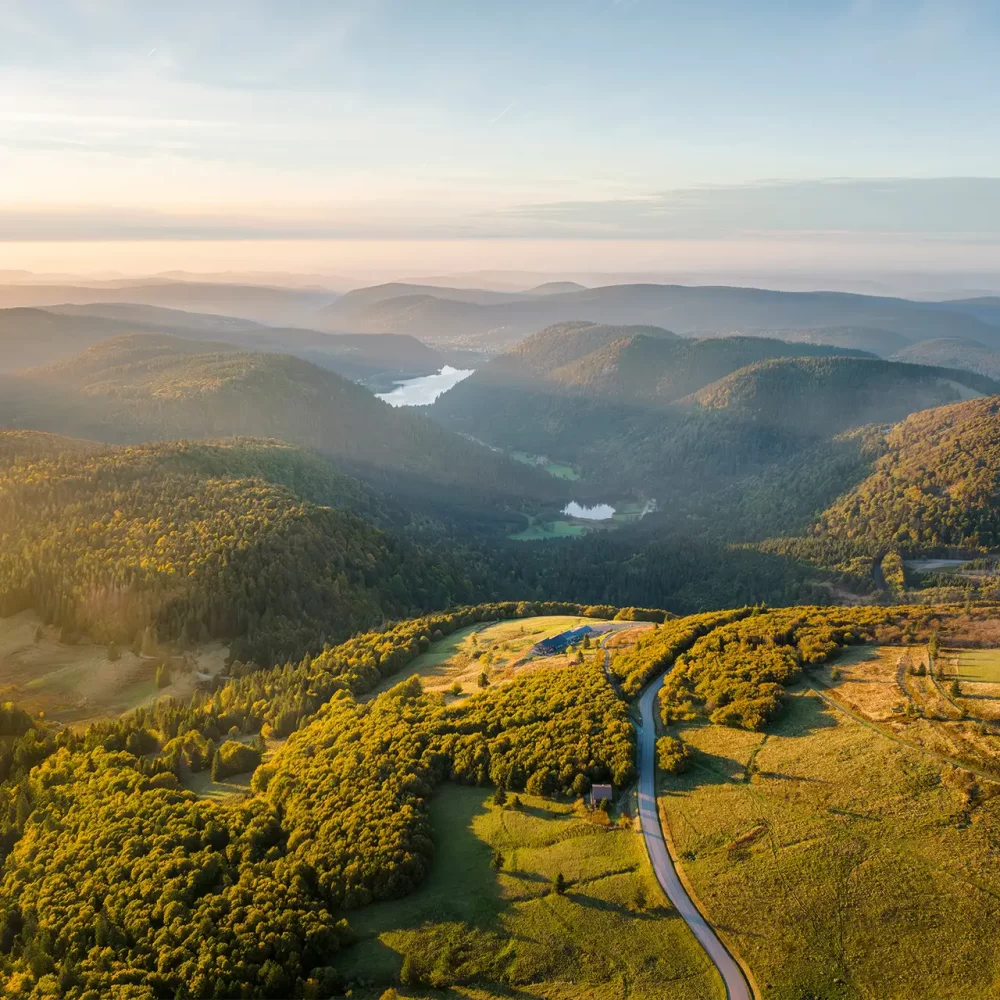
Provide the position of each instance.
(560, 643)
(600, 793)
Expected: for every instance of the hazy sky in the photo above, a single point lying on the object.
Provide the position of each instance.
(727, 128)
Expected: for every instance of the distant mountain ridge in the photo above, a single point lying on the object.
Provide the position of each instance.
(954, 353)
(498, 319)
(261, 303)
(31, 337)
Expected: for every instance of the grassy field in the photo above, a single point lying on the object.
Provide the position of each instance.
(560, 470)
(978, 666)
(878, 683)
(839, 863)
(539, 531)
(76, 683)
(233, 787)
(476, 932)
(630, 511)
(496, 648)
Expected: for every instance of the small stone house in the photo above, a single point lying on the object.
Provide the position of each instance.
(600, 793)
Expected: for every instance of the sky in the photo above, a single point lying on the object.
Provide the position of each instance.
(439, 133)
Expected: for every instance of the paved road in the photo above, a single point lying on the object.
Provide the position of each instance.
(737, 987)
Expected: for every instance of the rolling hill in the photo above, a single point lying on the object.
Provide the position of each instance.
(261, 303)
(969, 355)
(985, 308)
(161, 387)
(246, 541)
(937, 486)
(558, 388)
(32, 337)
(446, 316)
(824, 396)
(657, 371)
(883, 343)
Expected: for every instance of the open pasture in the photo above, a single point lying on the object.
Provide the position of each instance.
(830, 855)
(488, 923)
(496, 648)
(978, 666)
(78, 682)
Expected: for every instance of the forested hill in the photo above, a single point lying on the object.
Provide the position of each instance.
(561, 344)
(557, 389)
(149, 387)
(938, 485)
(358, 356)
(826, 395)
(969, 355)
(185, 542)
(657, 371)
(30, 337)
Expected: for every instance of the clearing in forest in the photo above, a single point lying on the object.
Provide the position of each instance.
(830, 855)
(488, 913)
(501, 649)
(78, 682)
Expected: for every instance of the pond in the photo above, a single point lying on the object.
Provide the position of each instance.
(424, 390)
(600, 512)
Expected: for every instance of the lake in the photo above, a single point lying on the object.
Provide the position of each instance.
(601, 512)
(424, 390)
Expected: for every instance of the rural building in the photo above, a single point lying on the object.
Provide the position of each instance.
(560, 643)
(600, 793)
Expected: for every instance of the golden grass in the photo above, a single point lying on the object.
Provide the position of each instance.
(77, 683)
(878, 684)
(838, 862)
(492, 933)
(501, 649)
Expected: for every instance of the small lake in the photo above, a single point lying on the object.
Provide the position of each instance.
(424, 390)
(599, 513)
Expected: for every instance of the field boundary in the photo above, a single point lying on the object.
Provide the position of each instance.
(861, 720)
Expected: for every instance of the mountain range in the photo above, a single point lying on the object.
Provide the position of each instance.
(494, 320)
(31, 337)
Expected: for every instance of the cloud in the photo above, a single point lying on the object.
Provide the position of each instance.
(929, 207)
(932, 210)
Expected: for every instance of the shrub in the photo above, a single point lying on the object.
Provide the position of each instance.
(673, 756)
(234, 758)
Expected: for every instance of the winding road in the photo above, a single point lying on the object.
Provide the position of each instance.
(737, 987)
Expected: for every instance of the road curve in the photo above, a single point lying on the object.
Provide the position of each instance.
(736, 984)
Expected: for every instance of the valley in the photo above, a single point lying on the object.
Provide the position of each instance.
(499, 501)
(360, 666)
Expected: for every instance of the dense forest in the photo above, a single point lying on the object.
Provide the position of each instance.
(182, 543)
(158, 387)
(118, 877)
(272, 548)
(559, 388)
(932, 491)
(827, 395)
(936, 487)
